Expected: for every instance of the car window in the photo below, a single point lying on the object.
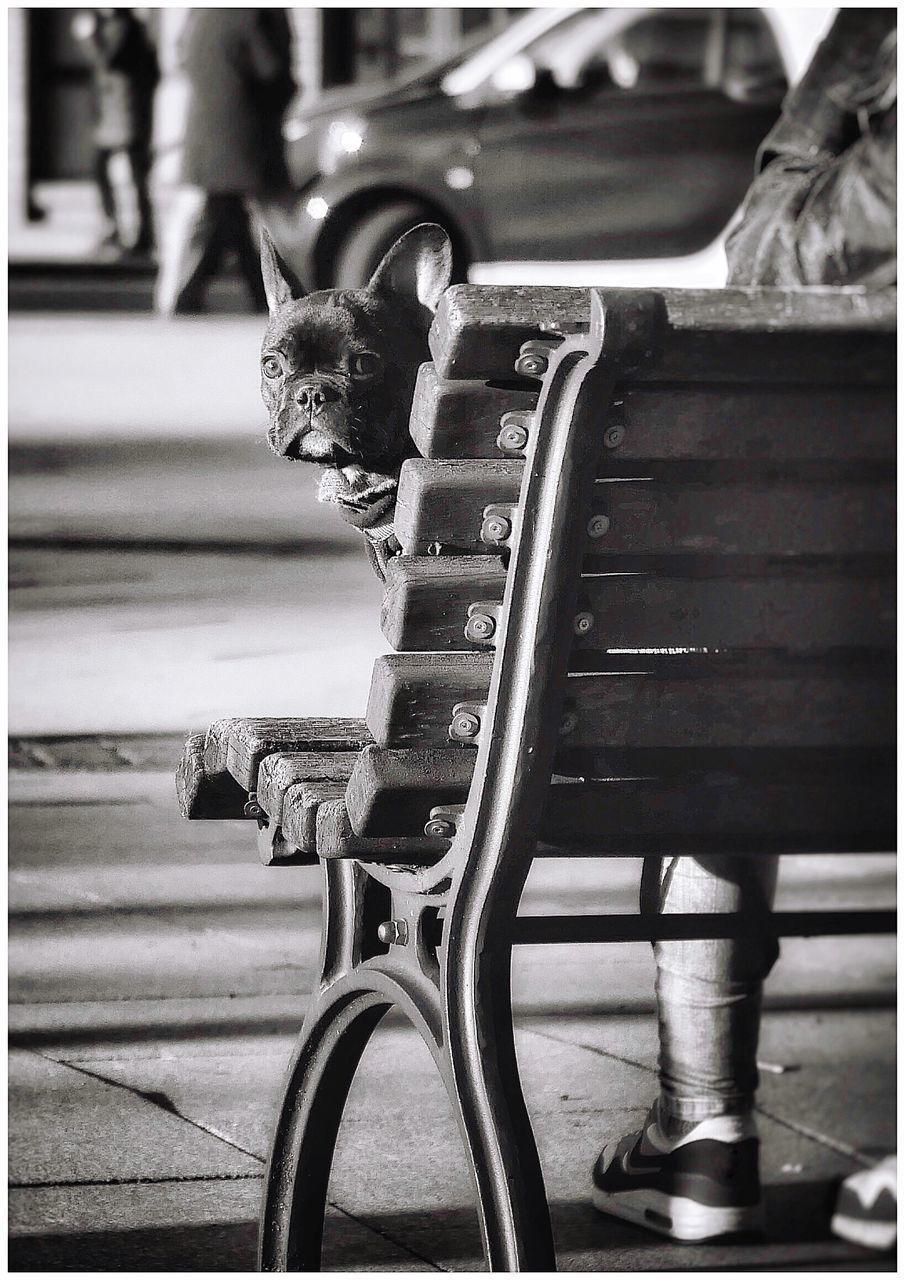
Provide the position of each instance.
(753, 69)
(649, 50)
(668, 50)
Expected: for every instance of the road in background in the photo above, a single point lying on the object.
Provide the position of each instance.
(166, 568)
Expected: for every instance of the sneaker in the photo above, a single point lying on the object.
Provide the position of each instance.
(703, 1185)
(866, 1207)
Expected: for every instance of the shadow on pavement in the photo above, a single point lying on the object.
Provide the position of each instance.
(210, 1247)
(798, 1237)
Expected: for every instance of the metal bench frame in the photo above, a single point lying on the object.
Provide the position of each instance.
(435, 941)
(457, 993)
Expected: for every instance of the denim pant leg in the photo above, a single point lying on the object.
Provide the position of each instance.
(709, 991)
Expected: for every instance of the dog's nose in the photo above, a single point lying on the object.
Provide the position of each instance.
(311, 397)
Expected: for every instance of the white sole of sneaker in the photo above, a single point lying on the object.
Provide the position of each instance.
(676, 1216)
(872, 1235)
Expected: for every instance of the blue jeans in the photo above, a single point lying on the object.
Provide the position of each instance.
(709, 992)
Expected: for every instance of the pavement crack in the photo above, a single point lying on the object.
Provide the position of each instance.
(803, 1130)
(156, 1098)
(385, 1235)
(129, 1182)
(591, 1048)
(824, 1140)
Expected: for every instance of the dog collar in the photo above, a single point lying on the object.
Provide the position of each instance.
(379, 532)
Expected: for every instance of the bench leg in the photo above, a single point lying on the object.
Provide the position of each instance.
(333, 1039)
(486, 1093)
(470, 1036)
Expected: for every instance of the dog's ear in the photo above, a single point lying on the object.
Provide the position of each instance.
(418, 267)
(280, 285)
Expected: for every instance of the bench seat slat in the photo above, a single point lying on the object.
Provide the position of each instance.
(835, 802)
(202, 796)
(799, 704)
(838, 336)
(460, 418)
(336, 839)
(789, 604)
(237, 745)
(443, 502)
(302, 803)
(281, 773)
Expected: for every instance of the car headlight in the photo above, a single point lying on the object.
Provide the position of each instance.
(343, 138)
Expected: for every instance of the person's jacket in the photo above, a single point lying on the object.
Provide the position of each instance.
(822, 209)
(239, 67)
(125, 75)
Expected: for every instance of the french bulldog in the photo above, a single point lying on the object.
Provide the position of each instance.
(338, 371)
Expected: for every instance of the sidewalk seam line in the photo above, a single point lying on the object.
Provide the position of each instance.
(804, 1131)
(128, 1182)
(154, 1100)
(384, 1235)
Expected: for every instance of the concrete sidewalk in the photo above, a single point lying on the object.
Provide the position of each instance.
(158, 976)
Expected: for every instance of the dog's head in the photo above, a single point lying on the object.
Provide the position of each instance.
(338, 369)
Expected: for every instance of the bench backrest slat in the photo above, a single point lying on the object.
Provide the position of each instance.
(833, 336)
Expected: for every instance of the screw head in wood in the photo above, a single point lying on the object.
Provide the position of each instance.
(512, 439)
(480, 626)
(495, 529)
(439, 829)
(583, 623)
(613, 436)
(531, 365)
(598, 526)
(465, 725)
(568, 723)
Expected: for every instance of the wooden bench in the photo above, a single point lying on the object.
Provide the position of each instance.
(644, 606)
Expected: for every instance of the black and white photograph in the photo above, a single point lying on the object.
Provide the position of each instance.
(451, 639)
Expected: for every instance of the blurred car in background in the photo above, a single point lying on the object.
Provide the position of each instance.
(576, 134)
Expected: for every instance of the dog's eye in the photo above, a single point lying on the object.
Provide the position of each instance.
(271, 366)
(365, 364)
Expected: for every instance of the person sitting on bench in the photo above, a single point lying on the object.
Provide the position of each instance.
(820, 212)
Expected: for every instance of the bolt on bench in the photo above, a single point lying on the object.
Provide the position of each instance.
(644, 606)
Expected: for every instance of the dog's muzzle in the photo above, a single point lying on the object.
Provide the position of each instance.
(313, 396)
(313, 423)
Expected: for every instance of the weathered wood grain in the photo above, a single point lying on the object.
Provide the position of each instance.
(336, 839)
(832, 799)
(301, 804)
(385, 795)
(279, 773)
(832, 336)
(443, 502)
(811, 702)
(678, 422)
(426, 600)
(201, 796)
(412, 695)
(461, 416)
(237, 745)
(795, 604)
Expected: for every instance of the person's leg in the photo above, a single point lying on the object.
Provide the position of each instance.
(191, 249)
(709, 991)
(139, 158)
(692, 1171)
(245, 240)
(109, 237)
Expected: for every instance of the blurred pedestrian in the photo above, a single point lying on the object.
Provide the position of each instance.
(239, 67)
(125, 71)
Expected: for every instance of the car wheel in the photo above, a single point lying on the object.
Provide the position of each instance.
(360, 253)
